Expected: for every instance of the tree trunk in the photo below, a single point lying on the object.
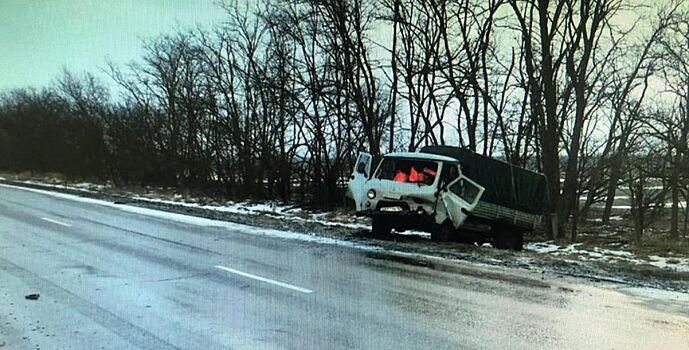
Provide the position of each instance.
(674, 212)
(612, 188)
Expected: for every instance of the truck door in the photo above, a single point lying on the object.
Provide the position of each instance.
(460, 197)
(361, 174)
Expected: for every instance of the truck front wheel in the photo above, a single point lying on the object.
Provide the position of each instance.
(441, 232)
(380, 227)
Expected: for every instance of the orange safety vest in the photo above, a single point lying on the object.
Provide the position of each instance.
(415, 176)
(400, 176)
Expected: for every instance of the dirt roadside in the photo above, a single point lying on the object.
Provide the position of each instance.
(420, 249)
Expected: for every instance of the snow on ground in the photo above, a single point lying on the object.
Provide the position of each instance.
(676, 264)
(541, 247)
(83, 186)
(629, 207)
(271, 209)
(612, 218)
(550, 247)
(578, 252)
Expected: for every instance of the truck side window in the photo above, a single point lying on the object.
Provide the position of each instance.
(450, 173)
(363, 161)
(465, 190)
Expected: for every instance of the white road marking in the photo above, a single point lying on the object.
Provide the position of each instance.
(263, 279)
(56, 222)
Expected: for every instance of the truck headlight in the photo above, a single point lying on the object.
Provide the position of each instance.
(371, 194)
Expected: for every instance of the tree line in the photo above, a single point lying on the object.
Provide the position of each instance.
(277, 101)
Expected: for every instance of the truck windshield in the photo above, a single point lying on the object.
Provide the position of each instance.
(408, 170)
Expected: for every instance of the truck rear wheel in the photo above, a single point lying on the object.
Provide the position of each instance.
(380, 227)
(508, 238)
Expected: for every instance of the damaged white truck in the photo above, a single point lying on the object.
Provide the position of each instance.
(451, 192)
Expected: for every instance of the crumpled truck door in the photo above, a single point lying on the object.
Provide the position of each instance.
(462, 193)
(361, 174)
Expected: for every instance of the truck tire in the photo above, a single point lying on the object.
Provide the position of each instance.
(380, 227)
(508, 238)
(349, 203)
(441, 232)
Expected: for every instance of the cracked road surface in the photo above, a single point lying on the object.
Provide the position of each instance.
(110, 278)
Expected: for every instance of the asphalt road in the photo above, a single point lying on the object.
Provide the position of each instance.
(113, 278)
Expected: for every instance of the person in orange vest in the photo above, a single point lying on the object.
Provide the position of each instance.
(400, 176)
(415, 176)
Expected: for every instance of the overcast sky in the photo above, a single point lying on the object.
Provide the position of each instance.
(39, 37)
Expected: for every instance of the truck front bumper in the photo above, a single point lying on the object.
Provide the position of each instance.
(402, 220)
(374, 212)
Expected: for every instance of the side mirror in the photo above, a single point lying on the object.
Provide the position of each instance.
(361, 168)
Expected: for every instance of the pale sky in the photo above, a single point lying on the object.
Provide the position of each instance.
(40, 37)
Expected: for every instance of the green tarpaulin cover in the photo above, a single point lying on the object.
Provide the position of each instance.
(506, 185)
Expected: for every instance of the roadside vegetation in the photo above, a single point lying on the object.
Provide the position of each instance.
(275, 104)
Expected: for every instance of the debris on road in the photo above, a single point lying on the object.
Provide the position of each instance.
(33, 296)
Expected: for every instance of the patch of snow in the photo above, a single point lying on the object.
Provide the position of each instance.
(541, 247)
(570, 249)
(229, 207)
(612, 218)
(622, 253)
(597, 253)
(88, 186)
(676, 264)
(629, 207)
(602, 254)
(550, 247)
(413, 233)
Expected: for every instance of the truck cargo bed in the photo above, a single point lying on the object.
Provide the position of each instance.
(493, 212)
(506, 185)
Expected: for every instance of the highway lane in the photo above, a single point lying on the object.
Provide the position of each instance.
(113, 277)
